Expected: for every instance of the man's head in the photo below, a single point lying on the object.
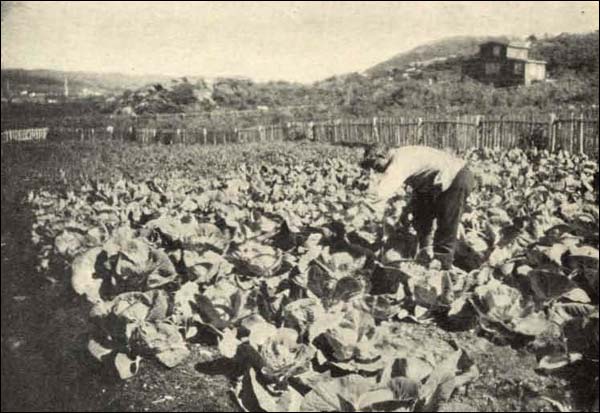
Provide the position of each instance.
(377, 158)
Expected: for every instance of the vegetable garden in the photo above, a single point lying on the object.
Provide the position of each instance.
(273, 256)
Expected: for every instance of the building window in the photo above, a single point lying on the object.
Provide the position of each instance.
(492, 68)
(496, 50)
(519, 67)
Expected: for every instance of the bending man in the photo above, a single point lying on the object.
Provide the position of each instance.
(441, 184)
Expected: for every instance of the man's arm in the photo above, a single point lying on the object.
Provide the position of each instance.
(386, 187)
(391, 181)
(382, 188)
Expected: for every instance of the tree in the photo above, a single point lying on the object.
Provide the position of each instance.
(183, 93)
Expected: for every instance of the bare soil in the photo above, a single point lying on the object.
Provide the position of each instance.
(46, 365)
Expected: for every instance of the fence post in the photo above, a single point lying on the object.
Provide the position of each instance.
(420, 140)
(375, 133)
(552, 132)
(334, 122)
(136, 123)
(204, 133)
(458, 138)
(286, 131)
(498, 131)
(477, 134)
(478, 131)
(581, 135)
(572, 134)
(500, 139)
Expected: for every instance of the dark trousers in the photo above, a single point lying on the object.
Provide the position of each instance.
(446, 208)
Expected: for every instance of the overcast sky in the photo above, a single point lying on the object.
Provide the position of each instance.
(272, 40)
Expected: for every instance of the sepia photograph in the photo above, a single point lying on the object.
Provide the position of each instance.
(300, 206)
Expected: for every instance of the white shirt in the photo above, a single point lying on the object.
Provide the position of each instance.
(418, 162)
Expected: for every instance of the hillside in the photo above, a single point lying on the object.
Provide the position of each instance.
(449, 47)
(52, 81)
(569, 52)
(176, 95)
(435, 86)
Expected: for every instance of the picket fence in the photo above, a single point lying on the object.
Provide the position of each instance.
(20, 135)
(573, 133)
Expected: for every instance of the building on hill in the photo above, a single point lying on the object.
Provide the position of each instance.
(504, 64)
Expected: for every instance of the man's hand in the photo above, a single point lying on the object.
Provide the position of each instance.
(377, 204)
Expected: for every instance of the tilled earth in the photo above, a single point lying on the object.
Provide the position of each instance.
(46, 366)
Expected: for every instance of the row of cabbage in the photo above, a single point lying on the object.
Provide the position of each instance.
(302, 282)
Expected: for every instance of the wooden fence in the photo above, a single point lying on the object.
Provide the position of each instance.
(19, 135)
(574, 133)
(200, 119)
(206, 136)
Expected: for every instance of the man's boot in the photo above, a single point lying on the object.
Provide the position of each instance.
(446, 259)
(425, 255)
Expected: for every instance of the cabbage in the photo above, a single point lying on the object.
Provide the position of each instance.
(256, 259)
(345, 331)
(134, 264)
(279, 353)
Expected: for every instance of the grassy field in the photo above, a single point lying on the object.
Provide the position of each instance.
(45, 326)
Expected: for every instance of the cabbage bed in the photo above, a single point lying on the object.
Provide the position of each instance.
(304, 283)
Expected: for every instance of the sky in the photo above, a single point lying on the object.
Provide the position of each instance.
(294, 41)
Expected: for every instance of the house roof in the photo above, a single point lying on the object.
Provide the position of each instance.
(542, 62)
(515, 44)
(517, 59)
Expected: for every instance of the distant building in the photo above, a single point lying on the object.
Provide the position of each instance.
(504, 64)
(87, 92)
(37, 97)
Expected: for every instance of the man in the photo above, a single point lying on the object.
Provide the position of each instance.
(441, 184)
